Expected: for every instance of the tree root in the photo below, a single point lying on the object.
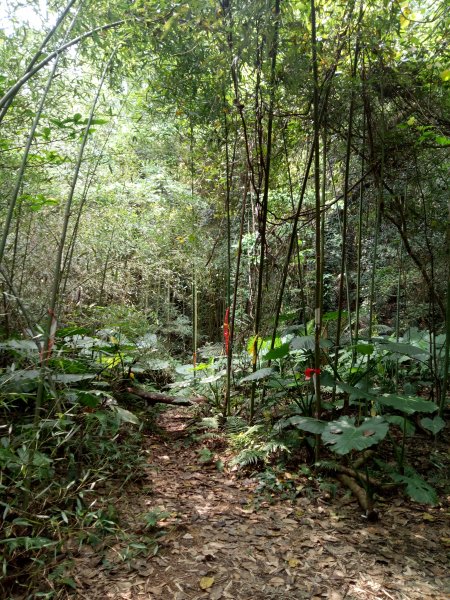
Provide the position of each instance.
(361, 495)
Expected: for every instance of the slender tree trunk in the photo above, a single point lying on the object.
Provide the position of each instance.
(226, 407)
(47, 344)
(446, 361)
(105, 268)
(318, 231)
(268, 157)
(360, 227)
(344, 270)
(84, 196)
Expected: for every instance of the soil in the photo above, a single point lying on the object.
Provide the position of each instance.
(218, 539)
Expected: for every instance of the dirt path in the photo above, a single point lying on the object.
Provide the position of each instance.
(306, 550)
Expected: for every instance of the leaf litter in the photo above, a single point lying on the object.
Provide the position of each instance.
(218, 543)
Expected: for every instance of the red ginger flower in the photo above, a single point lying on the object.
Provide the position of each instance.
(226, 331)
(309, 372)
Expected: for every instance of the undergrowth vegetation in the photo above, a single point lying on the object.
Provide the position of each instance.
(65, 460)
(239, 206)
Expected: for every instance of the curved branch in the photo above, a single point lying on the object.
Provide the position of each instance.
(29, 74)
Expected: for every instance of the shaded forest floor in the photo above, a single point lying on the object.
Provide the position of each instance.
(217, 534)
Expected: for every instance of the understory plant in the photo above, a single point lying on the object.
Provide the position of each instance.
(369, 401)
(58, 469)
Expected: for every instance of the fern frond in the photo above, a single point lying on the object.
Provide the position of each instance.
(272, 446)
(328, 465)
(209, 423)
(248, 457)
(235, 424)
(253, 431)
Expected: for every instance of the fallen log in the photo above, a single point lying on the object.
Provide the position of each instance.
(157, 398)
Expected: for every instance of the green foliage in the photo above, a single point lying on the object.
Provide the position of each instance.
(258, 375)
(50, 464)
(205, 456)
(415, 486)
(173, 130)
(153, 517)
(344, 436)
(407, 404)
(249, 457)
(434, 425)
(308, 424)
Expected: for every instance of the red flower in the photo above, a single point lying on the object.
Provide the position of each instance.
(226, 331)
(309, 372)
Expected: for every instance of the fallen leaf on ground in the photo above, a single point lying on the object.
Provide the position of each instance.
(206, 582)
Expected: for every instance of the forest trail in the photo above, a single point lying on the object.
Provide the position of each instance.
(217, 537)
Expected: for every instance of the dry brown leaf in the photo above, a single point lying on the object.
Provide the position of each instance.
(216, 594)
(335, 595)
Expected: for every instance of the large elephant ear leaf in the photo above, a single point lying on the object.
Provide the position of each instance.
(416, 487)
(257, 375)
(344, 436)
(407, 404)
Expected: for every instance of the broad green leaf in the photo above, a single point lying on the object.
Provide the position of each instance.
(37, 201)
(257, 375)
(343, 436)
(302, 342)
(355, 393)
(326, 379)
(401, 422)
(306, 342)
(84, 341)
(88, 399)
(364, 349)
(72, 377)
(254, 345)
(41, 460)
(416, 487)
(277, 353)
(8, 458)
(213, 378)
(287, 317)
(69, 581)
(308, 424)
(125, 415)
(404, 349)
(333, 316)
(407, 404)
(434, 425)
